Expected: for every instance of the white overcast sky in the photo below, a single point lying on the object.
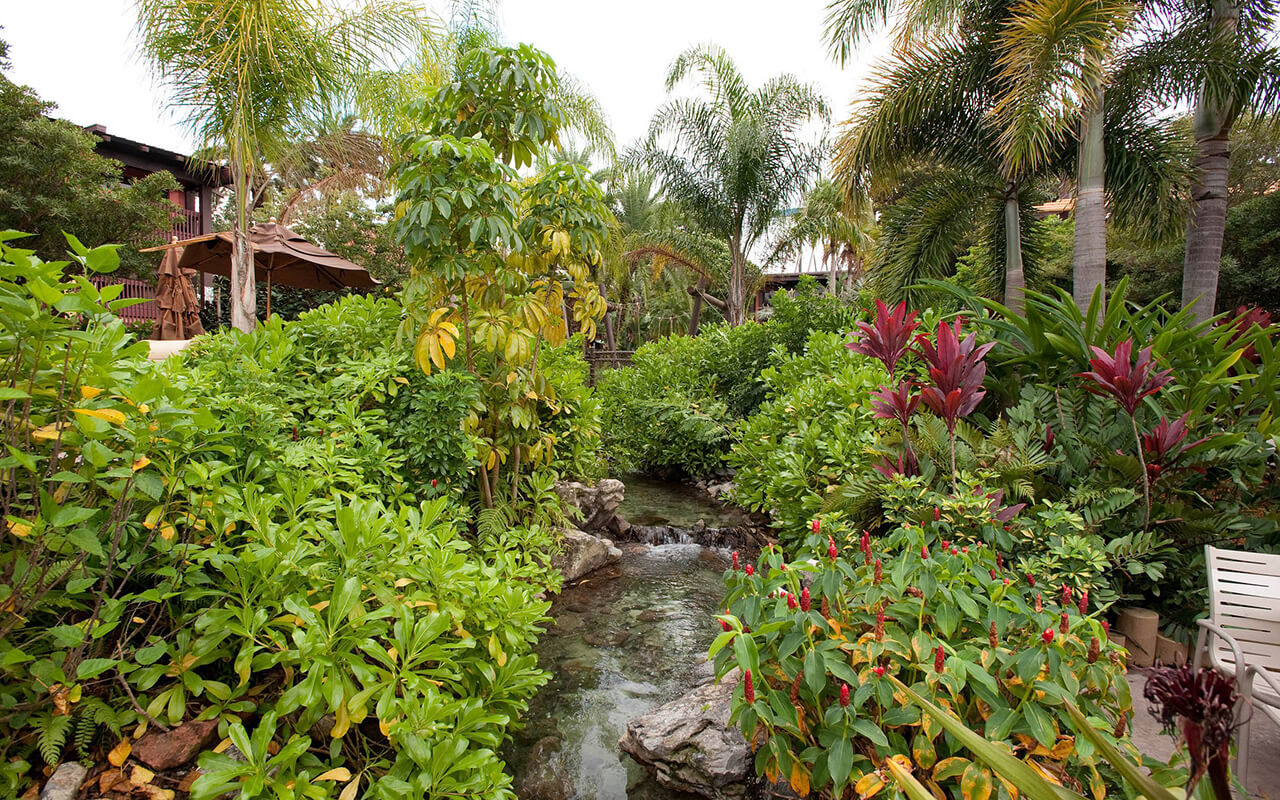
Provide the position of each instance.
(81, 54)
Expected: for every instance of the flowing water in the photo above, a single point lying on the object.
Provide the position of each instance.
(626, 640)
(650, 502)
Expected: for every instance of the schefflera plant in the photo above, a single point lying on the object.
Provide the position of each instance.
(819, 640)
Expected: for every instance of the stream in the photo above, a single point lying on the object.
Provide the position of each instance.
(626, 639)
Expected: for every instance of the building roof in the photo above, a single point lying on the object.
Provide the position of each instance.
(150, 158)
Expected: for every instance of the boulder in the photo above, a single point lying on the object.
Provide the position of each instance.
(598, 504)
(583, 554)
(65, 782)
(689, 744)
(545, 776)
(170, 749)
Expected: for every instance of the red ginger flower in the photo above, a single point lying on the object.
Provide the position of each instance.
(946, 543)
(748, 690)
(832, 552)
(879, 671)
(939, 659)
(879, 624)
(434, 482)
(937, 514)
(1125, 382)
(924, 551)
(1095, 647)
(735, 560)
(1047, 636)
(956, 369)
(844, 694)
(1084, 602)
(888, 338)
(879, 572)
(750, 570)
(725, 626)
(804, 599)
(791, 601)
(1066, 595)
(1039, 604)
(992, 638)
(1031, 579)
(993, 574)
(1064, 625)
(865, 544)
(817, 525)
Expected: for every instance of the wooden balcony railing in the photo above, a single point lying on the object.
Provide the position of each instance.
(132, 289)
(188, 225)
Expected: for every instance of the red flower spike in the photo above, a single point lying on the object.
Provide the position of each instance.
(939, 659)
(804, 599)
(1066, 595)
(879, 671)
(956, 369)
(725, 626)
(1039, 604)
(832, 552)
(937, 514)
(1047, 636)
(964, 549)
(946, 543)
(750, 570)
(1031, 579)
(434, 483)
(791, 601)
(735, 560)
(1065, 624)
(879, 572)
(924, 551)
(888, 338)
(1095, 647)
(1006, 581)
(1048, 439)
(782, 567)
(1106, 628)
(748, 690)
(879, 624)
(1084, 602)
(826, 608)
(817, 525)
(844, 695)
(1114, 376)
(993, 574)
(999, 561)
(992, 639)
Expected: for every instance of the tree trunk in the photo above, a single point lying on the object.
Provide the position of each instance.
(1214, 116)
(1015, 282)
(1089, 256)
(697, 305)
(244, 291)
(833, 269)
(737, 300)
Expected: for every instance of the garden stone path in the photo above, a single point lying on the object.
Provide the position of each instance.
(1264, 759)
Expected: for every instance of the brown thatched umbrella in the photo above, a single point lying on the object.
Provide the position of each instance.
(279, 256)
(178, 315)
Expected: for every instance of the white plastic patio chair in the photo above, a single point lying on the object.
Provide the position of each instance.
(1242, 634)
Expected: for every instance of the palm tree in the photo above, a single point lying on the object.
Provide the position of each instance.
(246, 72)
(951, 105)
(1220, 58)
(733, 157)
(844, 231)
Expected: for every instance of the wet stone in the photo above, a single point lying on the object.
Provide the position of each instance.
(652, 615)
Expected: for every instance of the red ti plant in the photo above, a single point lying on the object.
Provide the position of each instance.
(1201, 706)
(956, 368)
(1244, 320)
(897, 404)
(888, 339)
(1128, 384)
(1163, 446)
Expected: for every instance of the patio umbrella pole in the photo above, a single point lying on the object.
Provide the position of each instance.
(269, 294)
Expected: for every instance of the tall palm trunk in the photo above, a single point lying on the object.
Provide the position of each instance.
(1089, 256)
(244, 296)
(833, 268)
(736, 312)
(696, 315)
(1015, 280)
(1214, 116)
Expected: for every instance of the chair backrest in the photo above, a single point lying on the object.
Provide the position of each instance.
(1244, 598)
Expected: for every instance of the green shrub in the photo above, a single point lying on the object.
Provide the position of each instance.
(953, 621)
(811, 435)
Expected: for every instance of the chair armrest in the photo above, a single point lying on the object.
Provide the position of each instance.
(1270, 680)
(1243, 684)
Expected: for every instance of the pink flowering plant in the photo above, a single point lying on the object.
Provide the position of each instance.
(932, 604)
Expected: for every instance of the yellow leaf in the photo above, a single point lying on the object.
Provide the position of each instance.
(89, 392)
(335, 774)
(975, 783)
(341, 724)
(448, 346)
(321, 606)
(141, 776)
(167, 531)
(868, 785)
(19, 529)
(48, 432)
(104, 414)
(404, 381)
(384, 725)
(403, 582)
(799, 779)
(120, 752)
(141, 463)
(349, 793)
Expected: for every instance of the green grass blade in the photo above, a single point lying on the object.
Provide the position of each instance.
(1132, 773)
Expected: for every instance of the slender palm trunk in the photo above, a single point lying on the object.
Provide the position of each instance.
(1015, 281)
(1214, 116)
(244, 295)
(736, 311)
(833, 268)
(696, 316)
(1089, 256)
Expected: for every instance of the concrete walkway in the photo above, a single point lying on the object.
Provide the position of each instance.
(1264, 758)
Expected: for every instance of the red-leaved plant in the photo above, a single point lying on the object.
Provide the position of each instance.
(956, 369)
(888, 339)
(1163, 446)
(1244, 320)
(1128, 383)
